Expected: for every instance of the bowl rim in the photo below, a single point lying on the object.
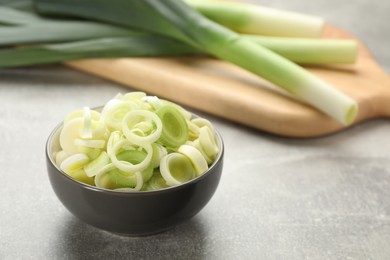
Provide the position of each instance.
(50, 158)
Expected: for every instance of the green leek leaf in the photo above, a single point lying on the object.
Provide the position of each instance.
(60, 32)
(11, 16)
(135, 46)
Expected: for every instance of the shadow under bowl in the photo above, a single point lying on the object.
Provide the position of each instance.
(132, 213)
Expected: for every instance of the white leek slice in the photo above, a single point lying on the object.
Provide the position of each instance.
(193, 130)
(157, 182)
(74, 162)
(136, 98)
(207, 141)
(135, 95)
(102, 180)
(69, 133)
(99, 130)
(93, 167)
(114, 138)
(159, 152)
(176, 169)
(200, 122)
(197, 145)
(136, 117)
(60, 156)
(87, 127)
(114, 113)
(95, 115)
(196, 158)
(90, 143)
(153, 101)
(128, 166)
(92, 153)
(81, 176)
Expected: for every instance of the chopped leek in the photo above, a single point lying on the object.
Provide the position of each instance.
(93, 167)
(144, 148)
(175, 128)
(60, 157)
(142, 126)
(74, 162)
(196, 158)
(157, 182)
(80, 175)
(176, 169)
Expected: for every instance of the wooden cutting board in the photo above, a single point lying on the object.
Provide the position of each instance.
(227, 91)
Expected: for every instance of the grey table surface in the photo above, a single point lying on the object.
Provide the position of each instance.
(279, 198)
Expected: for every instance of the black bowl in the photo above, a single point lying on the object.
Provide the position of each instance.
(132, 213)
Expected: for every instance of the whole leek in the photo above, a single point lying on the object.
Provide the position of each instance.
(176, 19)
(27, 28)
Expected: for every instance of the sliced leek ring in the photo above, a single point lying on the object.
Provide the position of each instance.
(175, 128)
(207, 141)
(74, 162)
(137, 119)
(128, 166)
(90, 143)
(94, 166)
(176, 169)
(196, 158)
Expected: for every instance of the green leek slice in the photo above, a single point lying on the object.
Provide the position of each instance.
(94, 166)
(256, 19)
(175, 128)
(90, 143)
(69, 133)
(157, 182)
(60, 156)
(114, 112)
(128, 166)
(81, 176)
(74, 162)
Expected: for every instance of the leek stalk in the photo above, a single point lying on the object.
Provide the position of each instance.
(310, 51)
(255, 19)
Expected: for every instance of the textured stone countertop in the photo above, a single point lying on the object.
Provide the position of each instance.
(279, 198)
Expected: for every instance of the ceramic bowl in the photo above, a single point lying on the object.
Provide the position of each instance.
(132, 213)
